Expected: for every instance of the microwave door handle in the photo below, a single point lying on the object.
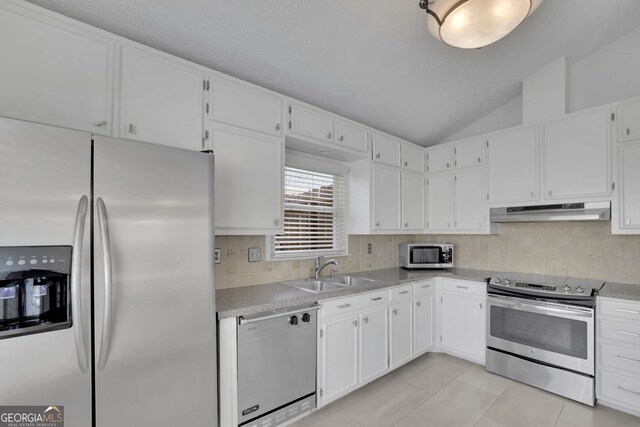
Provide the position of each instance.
(105, 341)
(76, 285)
(543, 308)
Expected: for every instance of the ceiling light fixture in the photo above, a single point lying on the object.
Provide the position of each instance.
(472, 24)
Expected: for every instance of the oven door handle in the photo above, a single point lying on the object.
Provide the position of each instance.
(538, 307)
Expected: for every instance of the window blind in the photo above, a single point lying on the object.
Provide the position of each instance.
(314, 215)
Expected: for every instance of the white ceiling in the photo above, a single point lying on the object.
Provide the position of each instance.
(369, 60)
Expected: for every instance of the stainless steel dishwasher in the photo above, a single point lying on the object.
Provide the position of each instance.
(276, 365)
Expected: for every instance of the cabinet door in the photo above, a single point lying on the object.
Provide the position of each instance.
(422, 323)
(576, 156)
(469, 154)
(352, 136)
(413, 158)
(386, 150)
(462, 325)
(307, 122)
(245, 106)
(440, 202)
(339, 357)
(470, 200)
(248, 183)
(374, 343)
(161, 101)
(401, 332)
(412, 201)
(386, 198)
(55, 74)
(629, 119)
(513, 166)
(439, 159)
(630, 191)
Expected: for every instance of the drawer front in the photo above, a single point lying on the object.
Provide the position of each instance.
(621, 388)
(422, 288)
(620, 358)
(622, 309)
(463, 287)
(619, 331)
(401, 292)
(341, 306)
(371, 299)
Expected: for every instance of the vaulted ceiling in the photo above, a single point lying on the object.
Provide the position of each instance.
(369, 60)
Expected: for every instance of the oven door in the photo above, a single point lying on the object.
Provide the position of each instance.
(551, 333)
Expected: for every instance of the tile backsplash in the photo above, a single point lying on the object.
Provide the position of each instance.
(577, 249)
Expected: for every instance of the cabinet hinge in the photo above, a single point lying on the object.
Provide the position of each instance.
(207, 108)
(487, 196)
(613, 186)
(321, 392)
(321, 333)
(427, 224)
(440, 299)
(455, 178)
(487, 143)
(613, 117)
(205, 85)
(440, 338)
(427, 183)
(290, 109)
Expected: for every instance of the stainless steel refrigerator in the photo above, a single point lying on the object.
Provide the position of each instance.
(136, 220)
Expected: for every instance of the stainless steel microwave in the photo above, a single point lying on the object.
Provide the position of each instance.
(426, 255)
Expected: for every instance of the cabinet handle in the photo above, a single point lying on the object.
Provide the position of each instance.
(344, 306)
(633, 334)
(479, 160)
(132, 128)
(627, 311)
(630, 391)
(448, 225)
(628, 131)
(418, 303)
(480, 306)
(378, 224)
(403, 292)
(406, 225)
(627, 221)
(277, 126)
(276, 221)
(100, 123)
(626, 359)
(395, 311)
(365, 320)
(341, 138)
(447, 165)
(376, 299)
(479, 225)
(329, 135)
(532, 195)
(462, 287)
(406, 163)
(550, 193)
(425, 286)
(377, 155)
(355, 323)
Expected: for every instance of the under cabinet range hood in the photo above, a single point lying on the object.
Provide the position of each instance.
(591, 211)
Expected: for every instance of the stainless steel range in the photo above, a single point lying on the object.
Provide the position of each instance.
(541, 330)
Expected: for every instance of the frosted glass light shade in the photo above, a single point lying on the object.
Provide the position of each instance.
(470, 24)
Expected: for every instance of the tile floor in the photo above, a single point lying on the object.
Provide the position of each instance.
(441, 390)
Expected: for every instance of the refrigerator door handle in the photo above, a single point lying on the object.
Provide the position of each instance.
(108, 284)
(76, 284)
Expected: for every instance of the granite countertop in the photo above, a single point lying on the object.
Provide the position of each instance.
(263, 298)
(628, 291)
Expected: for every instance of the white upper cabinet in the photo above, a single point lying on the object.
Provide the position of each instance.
(440, 202)
(386, 149)
(54, 73)
(470, 153)
(352, 136)
(576, 156)
(513, 162)
(629, 202)
(413, 157)
(629, 122)
(386, 198)
(439, 159)
(161, 100)
(413, 201)
(248, 182)
(470, 201)
(245, 106)
(308, 122)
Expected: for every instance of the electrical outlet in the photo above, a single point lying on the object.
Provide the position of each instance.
(254, 255)
(216, 256)
(369, 248)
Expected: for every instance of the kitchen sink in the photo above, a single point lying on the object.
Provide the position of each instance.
(350, 280)
(315, 285)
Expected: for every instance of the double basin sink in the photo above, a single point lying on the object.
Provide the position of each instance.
(328, 284)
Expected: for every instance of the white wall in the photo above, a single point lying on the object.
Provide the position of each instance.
(608, 75)
(544, 93)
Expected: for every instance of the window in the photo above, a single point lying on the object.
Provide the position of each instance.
(314, 215)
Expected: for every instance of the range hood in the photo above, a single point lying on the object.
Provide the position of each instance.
(592, 211)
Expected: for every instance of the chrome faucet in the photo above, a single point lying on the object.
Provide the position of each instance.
(320, 265)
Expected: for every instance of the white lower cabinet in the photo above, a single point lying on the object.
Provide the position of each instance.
(339, 338)
(423, 317)
(374, 343)
(401, 330)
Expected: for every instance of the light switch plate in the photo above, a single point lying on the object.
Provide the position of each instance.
(369, 248)
(254, 255)
(216, 256)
